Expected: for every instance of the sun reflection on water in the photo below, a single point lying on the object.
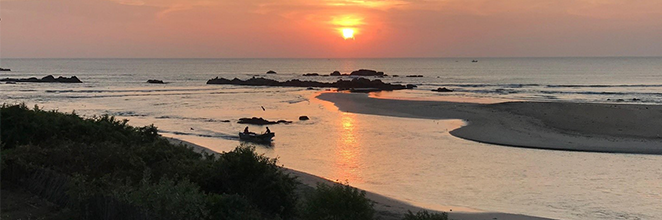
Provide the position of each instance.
(347, 150)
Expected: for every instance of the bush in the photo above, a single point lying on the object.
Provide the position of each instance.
(166, 198)
(258, 178)
(425, 215)
(106, 160)
(337, 202)
(232, 207)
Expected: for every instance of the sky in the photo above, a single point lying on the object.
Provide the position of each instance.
(314, 28)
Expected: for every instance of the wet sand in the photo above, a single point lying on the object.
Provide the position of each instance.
(611, 128)
(386, 208)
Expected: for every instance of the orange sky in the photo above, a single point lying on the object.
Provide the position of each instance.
(312, 29)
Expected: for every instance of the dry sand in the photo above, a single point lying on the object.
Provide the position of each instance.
(387, 208)
(613, 128)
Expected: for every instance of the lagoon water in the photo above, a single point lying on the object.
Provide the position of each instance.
(413, 160)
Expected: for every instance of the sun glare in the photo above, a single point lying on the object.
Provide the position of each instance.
(348, 33)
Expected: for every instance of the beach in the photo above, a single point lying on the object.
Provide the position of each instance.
(591, 127)
(386, 208)
(445, 151)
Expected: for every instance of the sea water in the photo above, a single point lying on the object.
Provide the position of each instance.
(413, 160)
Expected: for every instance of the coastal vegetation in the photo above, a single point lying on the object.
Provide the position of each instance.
(103, 168)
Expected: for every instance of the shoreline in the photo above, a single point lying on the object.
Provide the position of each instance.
(589, 127)
(385, 208)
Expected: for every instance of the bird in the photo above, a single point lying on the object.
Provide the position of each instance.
(263, 108)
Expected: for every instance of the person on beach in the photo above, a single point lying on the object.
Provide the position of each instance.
(268, 131)
(246, 130)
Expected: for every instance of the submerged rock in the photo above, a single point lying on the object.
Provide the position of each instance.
(311, 74)
(366, 72)
(3, 69)
(303, 118)
(414, 75)
(155, 81)
(271, 72)
(260, 121)
(442, 89)
(45, 79)
(335, 73)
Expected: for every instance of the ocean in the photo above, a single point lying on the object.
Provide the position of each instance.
(413, 160)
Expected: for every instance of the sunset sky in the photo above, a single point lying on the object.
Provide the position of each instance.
(314, 29)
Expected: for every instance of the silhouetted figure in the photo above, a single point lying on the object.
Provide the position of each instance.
(246, 130)
(268, 131)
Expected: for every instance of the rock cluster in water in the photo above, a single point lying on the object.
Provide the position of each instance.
(260, 121)
(340, 84)
(45, 79)
(3, 69)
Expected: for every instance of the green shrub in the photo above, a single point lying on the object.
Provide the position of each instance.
(106, 159)
(20, 125)
(232, 207)
(425, 215)
(166, 198)
(337, 202)
(258, 178)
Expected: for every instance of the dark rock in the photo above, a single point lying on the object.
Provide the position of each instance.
(443, 89)
(335, 73)
(303, 118)
(340, 84)
(155, 81)
(364, 90)
(414, 75)
(366, 72)
(396, 75)
(311, 74)
(3, 69)
(271, 72)
(260, 121)
(620, 100)
(636, 99)
(411, 86)
(310, 88)
(46, 79)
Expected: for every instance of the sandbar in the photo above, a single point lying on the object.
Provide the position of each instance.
(591, 127)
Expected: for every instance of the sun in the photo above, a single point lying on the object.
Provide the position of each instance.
(347, 33)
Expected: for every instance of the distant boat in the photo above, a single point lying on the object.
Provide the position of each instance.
(256, 138)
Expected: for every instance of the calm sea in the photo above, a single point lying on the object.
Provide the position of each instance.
(413, 160)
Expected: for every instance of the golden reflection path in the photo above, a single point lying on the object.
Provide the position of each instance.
(347, 150)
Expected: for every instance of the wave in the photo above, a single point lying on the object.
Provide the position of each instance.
(523, 85)
(192, 119)
(606, 86)
(129, 90)
(213, 135)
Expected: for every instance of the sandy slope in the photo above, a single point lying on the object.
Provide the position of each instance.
(615, 128)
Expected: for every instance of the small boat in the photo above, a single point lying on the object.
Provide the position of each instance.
(257, 138)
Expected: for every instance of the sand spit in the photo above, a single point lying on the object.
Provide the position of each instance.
(386, 208)
(612, 128)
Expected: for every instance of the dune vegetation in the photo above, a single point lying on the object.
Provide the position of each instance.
(103, 168)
